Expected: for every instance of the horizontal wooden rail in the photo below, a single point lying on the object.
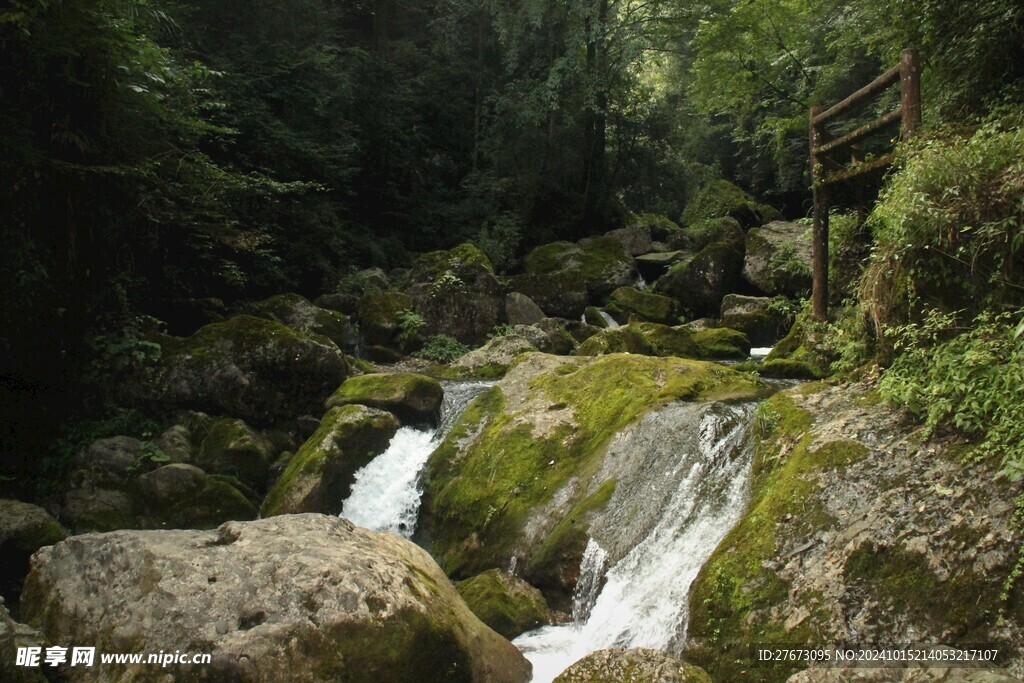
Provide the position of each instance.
(862, 132)
(871, 89)
(908, 75)
(850, 172)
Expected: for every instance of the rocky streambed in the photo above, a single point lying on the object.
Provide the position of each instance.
(597, 455)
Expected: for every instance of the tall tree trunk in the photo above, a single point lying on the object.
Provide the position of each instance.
(596, 121)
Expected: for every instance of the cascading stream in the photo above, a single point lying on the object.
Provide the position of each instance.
(386, 493)
(644, 599)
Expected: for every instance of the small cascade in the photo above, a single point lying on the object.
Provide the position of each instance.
(608, 319)
(386, 493)
(592, 568)
(642, 598)
(640, 283)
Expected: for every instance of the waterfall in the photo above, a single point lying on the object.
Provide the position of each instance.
(696, 481)
(608, 319)
(386, 493)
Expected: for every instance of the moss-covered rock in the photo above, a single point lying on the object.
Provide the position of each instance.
(635, 238)
(778, 258)
(721, 198)
(234, 449)
(251, 368)
(855, 532)
(600, 263)
(756, 317)
(638, 665)
(785, 368)
(299, 314)
(708, 231)
(802, 348)
(182, 496)
(592, 316)
(627, 303)
(655, 264)
(457, 294)
(549, 419)
(661, 227)
(378, 316)
(652, 339)
(24, 529)
(494, 358)
(319, 477)
(560, 294)
(718, 343)
(701, 283)
(521, 310)
(290, 598)
(505, 602)
(413, 398)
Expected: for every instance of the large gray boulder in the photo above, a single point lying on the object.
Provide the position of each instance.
(601, 264)
(638, 665)
(635, 239)
(301, 598)
(12, 636)
(754, 316)
(778, 258)
(521, 310)
(255, 369)
(457, 294)
(701, 283)
(413, 398)
(559, 293)
(24, 529)
(299, 314)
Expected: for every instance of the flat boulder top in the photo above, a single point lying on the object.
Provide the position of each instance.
(297, 597)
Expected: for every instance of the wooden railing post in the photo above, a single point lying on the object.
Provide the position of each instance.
(910, 92)
(819, 244)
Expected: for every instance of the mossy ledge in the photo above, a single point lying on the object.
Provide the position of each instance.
(548, 421)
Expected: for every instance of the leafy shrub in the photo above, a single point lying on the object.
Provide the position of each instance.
(965, 378)
(949, 227)
(442, 349)
(409, 323)
(502, 330)
(499, 238)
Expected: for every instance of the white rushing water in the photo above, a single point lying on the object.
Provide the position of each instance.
(644, 598)
(386, 493)
(608, 319)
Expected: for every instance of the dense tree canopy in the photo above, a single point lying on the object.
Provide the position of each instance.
(155, 152)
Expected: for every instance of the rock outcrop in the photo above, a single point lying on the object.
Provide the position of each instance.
(860, 529)
(505, 602)
(302, 598)
(24, 529)
(319, 476)
(410, 396)
(299, 314)
(601, 264)
(638, 665)
(778, 258)
(516, 476)
(250, 368)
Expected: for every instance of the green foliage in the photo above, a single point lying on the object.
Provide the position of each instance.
(499, 238)
(409, 323)
(502, 330)
(949, 228)
(442, 348)
(965, 378)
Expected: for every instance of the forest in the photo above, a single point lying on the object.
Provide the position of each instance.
(221, 219)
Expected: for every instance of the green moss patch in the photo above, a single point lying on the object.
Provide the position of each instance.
(721, 343)
(502, 461)
(410, 396)
(319, 476)
(505, 603)
(627, 303)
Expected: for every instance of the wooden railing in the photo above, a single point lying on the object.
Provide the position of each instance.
(822, 145)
